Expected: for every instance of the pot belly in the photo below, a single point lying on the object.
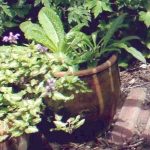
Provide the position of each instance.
(101, 103)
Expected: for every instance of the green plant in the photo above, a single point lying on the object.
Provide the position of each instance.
(25, 83)
(70, 125)
(75, 47)
(66, 51)
(134, 4)
(31, 79)
(89, 14)
(19, 111)
(76, 12)
(10, 14)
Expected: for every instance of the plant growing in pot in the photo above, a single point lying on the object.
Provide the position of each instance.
(75, 59)
(75, 79)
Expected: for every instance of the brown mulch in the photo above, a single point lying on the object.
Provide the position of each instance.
(137, 75)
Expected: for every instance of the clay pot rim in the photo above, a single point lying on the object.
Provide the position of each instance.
(90, 71)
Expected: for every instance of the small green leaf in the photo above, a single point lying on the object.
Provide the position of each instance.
(60, 124)
(61, 97)
(34, 82)
(58, 117)
(31, 129)
(80, 123)
(145, 17)
(123, 64)
(3, 137)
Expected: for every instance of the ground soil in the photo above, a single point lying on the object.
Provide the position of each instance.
(137, 75)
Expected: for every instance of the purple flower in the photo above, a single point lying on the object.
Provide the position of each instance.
(50, 85)
(41, 48)
(12, 38)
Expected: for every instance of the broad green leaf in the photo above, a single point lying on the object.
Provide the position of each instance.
(10, 24)
(59, 96)
(35, 32)
(134, 52)
(7, 10)
(145, 17)
(113, 28)
(52, 26)
(31, 129)
(98, 6)
(6, 89)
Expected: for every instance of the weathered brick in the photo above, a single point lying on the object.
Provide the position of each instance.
(130, 116)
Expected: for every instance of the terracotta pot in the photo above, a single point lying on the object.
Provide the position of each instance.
(101, 103)
(19, 143)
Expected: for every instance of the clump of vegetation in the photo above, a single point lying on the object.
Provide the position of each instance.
(28, 77)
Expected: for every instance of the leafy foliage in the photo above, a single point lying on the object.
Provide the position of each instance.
(25, 81)
(23, 88)
(70, 125)
(77, 12)
(44, 2)
(98, 6)
(133, 4)
(145, 16)
(79, 15)
(75, 47)
(10, 14)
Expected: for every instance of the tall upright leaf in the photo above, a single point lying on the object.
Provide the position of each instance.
(35, 32)
(52, 26)
(113, 28)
